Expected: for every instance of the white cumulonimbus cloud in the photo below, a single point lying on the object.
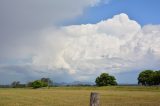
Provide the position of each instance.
(115, 45)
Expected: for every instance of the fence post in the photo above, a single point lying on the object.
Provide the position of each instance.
(94, 99)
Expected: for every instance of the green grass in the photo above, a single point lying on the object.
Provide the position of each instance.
(79, 96)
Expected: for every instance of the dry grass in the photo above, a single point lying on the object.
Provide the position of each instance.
(79, 96)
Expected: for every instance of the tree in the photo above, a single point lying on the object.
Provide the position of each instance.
(149, 77)
(29, 84)
(43, 82)
(47, 81)
(37, 84)
(145, 77)
(15, 84)
(156, 78)
(105, 79)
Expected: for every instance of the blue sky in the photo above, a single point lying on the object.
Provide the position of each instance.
(77, 40)
(143, 11)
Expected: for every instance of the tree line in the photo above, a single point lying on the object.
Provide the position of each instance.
(43, 82)
(145, 78)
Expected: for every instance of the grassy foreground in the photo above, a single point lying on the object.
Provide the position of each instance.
(79, 96)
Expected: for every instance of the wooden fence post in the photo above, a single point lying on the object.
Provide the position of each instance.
(94, 99)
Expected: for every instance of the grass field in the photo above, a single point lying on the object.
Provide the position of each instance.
(79, 96)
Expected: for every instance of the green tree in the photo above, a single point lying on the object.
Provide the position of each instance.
(43, 82)
(105, 79)
(149, 77)
(156, 78)
(47, 81)
(29, 84)
(15, 84)
(37, 84)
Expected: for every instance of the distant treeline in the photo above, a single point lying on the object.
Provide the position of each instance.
(145, 78)
(43, 82)
(5, 86)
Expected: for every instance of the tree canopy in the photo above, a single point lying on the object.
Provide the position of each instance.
(48, 81)
(105, 79)
(149, 77)
(43, 82)
(15, 84)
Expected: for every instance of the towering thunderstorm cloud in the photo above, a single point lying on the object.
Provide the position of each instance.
(114, 45)
(81, 52)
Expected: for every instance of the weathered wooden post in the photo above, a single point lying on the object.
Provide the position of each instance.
(94, 99)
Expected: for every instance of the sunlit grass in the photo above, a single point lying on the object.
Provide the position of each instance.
(79, 96)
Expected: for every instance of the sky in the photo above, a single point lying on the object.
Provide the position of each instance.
(78, 40)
